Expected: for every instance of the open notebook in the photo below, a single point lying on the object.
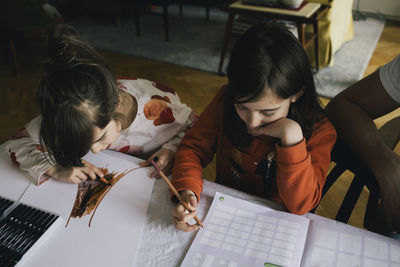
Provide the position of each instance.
(240, 233)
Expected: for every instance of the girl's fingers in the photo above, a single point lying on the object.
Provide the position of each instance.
(73, 179)
(168, 168)
(92, 170)
(148, 162)
(89, 172)
(193, 201)
(163, 160)
(179, 212)
(183, 215)
(80, 175)
(145, 163)
(76, 180)
(98, 172)
(185, 226)
(162, 166)
(190, 198)
(155, 174)
(182, 218)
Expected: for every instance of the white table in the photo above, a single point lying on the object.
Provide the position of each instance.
(122, 233)
(160, 244)
(115, 231)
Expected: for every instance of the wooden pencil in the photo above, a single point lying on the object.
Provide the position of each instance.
(176, 193)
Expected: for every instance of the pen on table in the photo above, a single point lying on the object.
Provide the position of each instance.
(176, 192)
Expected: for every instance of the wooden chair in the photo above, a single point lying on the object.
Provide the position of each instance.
(140, 5)
(345, 159)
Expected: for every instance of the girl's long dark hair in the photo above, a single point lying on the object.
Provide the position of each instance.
(269, 56)
(77, 92)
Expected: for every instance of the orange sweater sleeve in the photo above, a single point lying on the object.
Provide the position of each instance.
(198, 147)
(302, 168)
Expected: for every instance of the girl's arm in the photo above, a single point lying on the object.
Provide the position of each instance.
(194, 153)
(302, 169)
(197, 148)
(26, 152)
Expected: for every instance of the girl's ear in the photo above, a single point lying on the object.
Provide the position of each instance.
(296, 97)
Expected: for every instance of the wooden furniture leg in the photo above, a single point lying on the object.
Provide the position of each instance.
(136, 14)
(166, 27)
(14, 57)
(301, 33)
(226, 40)
(316, 46)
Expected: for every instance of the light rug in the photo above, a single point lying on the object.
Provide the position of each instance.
(196, 43)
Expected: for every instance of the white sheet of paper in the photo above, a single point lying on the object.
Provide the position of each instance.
(334, 244)
(13, 181)
(116, 228)
(240, 233)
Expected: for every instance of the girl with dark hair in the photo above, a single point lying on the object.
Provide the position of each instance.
(266, 126)
(84, 107)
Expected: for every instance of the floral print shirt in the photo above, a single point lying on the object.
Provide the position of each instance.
(161, 121)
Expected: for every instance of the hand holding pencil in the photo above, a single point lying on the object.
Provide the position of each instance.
(185, 212)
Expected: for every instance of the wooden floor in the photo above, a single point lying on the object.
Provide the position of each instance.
(196, 88)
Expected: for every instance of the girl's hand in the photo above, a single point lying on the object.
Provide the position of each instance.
(182, 217)
(287, 130)
(164, 159)
(76, 174)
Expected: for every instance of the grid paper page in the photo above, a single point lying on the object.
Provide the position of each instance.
(337, 244)
(240, 233)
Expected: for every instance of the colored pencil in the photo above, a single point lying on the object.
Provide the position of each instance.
(176, 192)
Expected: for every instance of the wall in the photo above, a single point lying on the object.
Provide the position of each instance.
(390, 9)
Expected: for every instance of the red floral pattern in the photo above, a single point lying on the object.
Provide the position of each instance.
(166, 116)
(164, 98)
(164, 88)
(13, 158)
(125, 149)
(40, 148)
(136, 150)
(132, 150)
(121, 86)
(157, 109)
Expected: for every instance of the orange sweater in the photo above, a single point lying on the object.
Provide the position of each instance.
(300, 169)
